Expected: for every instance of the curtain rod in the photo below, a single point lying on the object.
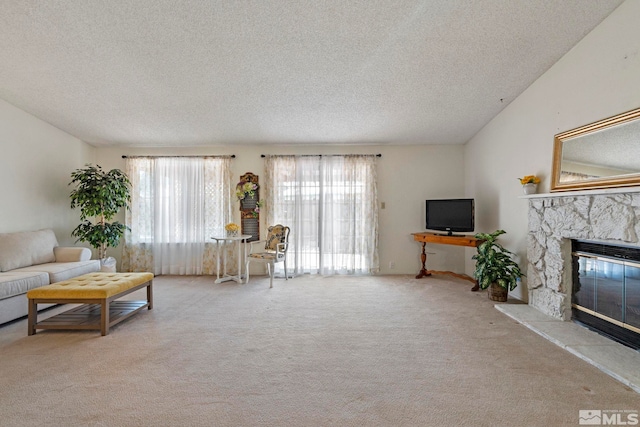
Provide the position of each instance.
(233, 156)
(320, 155)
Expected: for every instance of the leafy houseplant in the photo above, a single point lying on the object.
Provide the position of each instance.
(495, 267)
(100, 195)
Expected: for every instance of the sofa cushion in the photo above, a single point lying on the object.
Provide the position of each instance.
(59, 271)
(72, 254)
(26, 248)
(17, 283)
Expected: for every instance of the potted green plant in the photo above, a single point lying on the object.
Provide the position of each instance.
(495, 267)
(100, 195)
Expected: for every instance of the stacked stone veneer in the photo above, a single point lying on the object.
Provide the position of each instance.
(553, 222)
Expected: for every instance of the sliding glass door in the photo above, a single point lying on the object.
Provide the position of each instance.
(330, 203)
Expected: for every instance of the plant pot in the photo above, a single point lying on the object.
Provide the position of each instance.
(108, 265)
(530, 188)
(497, 293)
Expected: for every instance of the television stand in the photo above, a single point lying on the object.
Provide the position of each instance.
(445, 239)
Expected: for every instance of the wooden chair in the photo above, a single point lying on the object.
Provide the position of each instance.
(274, 251)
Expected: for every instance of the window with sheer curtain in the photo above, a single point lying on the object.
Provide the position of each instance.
(177, 204)
(331, 205)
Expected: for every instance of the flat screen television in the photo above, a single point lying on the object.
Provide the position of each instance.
(450, 215)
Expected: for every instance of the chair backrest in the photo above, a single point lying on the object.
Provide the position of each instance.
(276, 234)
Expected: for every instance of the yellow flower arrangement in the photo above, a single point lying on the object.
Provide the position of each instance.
(231, 227)
(244, 189)
(529, 179)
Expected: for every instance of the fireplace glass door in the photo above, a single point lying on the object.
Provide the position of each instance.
(609, 290)
(632, 296)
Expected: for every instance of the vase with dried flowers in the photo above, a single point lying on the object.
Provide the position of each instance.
(246, 193)
(529, 184)
(232, 229)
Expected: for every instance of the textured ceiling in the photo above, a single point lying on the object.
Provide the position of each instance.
(196, 72)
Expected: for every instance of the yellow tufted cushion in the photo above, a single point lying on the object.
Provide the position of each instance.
(91, 286)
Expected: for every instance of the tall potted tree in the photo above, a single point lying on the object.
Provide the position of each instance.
(495, 267)
(100, 195)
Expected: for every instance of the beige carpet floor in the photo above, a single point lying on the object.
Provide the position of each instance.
(312, 351)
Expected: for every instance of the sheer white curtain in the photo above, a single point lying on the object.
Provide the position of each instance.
(177, 204)
(331, 205)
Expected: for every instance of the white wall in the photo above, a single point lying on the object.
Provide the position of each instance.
(36, 161)
(407, 175)
(598, 78)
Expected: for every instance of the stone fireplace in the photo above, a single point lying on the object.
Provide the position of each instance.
(604, 216)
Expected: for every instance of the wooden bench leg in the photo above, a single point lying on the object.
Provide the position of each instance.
(150, 295)
(33, 317)
(104, 317)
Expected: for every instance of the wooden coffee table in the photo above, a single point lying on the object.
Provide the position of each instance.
(97, 292)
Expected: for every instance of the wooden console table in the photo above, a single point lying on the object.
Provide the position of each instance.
(444, 239)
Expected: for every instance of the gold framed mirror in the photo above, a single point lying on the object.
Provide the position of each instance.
(598, 155)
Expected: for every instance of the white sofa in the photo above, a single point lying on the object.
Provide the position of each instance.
(31, 259)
